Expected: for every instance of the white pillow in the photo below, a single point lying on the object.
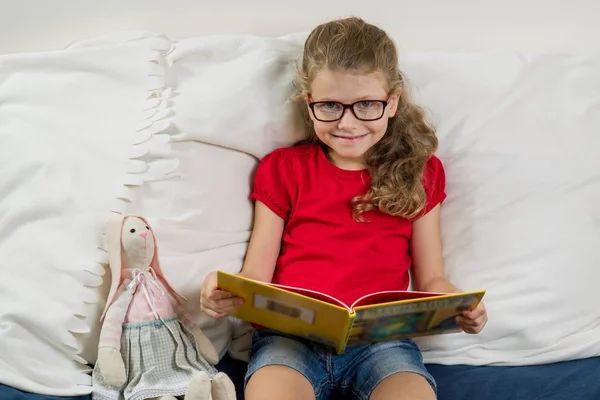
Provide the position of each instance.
(234, 91)
(496, 113)
(202, 222)
(231, 106)
(519, 137)
(71, 123)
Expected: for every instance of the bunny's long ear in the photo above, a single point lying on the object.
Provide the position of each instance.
(155, 264)
(114, 230)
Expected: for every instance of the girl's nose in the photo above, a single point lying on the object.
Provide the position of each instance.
(348, 120)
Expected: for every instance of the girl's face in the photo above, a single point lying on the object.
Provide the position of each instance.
(345, 132)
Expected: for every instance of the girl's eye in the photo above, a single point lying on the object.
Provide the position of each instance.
(365, 104)
(330, 105)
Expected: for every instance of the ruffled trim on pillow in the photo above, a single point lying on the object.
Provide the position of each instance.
(149, 160)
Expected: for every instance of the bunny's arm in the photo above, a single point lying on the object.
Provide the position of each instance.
(241, 341)
(112, 327)
(182, 314)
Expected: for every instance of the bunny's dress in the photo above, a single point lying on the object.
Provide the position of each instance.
(158, 351)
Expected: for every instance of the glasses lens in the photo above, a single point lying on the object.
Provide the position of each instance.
(328, 111)
(368, 110)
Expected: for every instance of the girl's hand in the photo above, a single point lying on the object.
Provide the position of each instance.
(473, 321)
(217, 303)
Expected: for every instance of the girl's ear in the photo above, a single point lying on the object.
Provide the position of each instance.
(393, 101)
(308, 100)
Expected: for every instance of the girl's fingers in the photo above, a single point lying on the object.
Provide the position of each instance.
(231, 302)
(212, 313)
(476, 313)
(472, 325)
(470, 329)
(220, 294)
(462, 321)
(221, 306)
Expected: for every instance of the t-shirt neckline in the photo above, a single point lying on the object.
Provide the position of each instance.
(350, 173)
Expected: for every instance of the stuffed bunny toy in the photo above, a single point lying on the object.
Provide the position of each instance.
(149, 347)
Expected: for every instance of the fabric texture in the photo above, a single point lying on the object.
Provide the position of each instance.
(519, 140)
(150, 299)
(135, 304)
(236, 370)
(558, 381)
(119, 261)
(10, 393)
(79, 130)
(354, 374)
(112, 324)
(202, 221)
(323, 248)
(222, 80)
(159, 360)
(203, 218)
(159, 352)
(231, 96)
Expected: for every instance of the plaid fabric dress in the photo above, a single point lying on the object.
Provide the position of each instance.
(160, 358)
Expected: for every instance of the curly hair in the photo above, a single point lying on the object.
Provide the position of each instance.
(396, 163)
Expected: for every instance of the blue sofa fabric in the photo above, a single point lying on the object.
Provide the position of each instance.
(9, 393)
(572, 380)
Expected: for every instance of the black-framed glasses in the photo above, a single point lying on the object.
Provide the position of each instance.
(363, 110)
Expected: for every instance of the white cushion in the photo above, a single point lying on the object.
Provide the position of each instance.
(234, 91)
(519, 137)
(71, 124)
(202, 222)
(231, 107)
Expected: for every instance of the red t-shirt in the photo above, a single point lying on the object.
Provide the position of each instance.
(323, 248)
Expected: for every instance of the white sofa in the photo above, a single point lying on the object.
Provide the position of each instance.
(138, 122)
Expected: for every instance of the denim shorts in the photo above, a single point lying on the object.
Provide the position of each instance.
(354, 374)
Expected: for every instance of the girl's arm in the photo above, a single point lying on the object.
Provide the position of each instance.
(264, 245)
(428, 268)
(259, 264)
(426, 252)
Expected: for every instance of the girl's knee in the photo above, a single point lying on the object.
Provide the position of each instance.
(404, 385)
(278, 382)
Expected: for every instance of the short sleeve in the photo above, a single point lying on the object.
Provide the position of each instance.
(273, 182)
(435, 183)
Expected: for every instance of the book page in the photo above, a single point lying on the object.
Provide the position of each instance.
(391, 296)
(313, 294)
(411, 318)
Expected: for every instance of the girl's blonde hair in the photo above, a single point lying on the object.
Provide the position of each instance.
(396, 163)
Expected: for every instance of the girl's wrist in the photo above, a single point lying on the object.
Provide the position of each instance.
(441, 285)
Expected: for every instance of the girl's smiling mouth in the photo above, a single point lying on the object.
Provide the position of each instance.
(350, 139)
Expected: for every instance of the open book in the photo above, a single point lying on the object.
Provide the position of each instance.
(373, 318)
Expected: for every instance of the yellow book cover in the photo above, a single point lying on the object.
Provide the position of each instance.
(321, 318)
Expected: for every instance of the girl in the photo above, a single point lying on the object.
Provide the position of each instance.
(348, 212)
